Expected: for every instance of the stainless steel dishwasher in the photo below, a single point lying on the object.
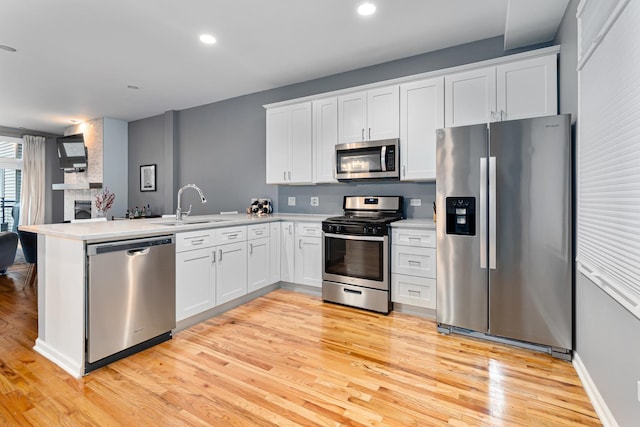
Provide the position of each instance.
(131, 297)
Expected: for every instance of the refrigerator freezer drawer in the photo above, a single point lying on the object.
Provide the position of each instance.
(412, 290)
(413, 237)
(413, 261)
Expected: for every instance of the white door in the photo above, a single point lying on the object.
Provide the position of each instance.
(308, 260)
(325, 138)
(527, 88)
(231, 275)
(421, 113)
(258, 264)
(383, 113)
(195, 282)
(274, 252)
(277, 145)
(287, 252)
(301, 144)
(352, 117)
(470, 97)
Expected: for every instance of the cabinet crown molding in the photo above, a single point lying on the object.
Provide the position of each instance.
(441, 72)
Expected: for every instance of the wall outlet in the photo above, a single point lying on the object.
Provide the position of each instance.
(291, 201)
(315, 201)
(415, 202)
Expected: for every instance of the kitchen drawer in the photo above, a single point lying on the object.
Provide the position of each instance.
(231, 234)
(412, 290)
(413, 261)
(194, 240)
(308, 229)
(258, 231)
(413, 237)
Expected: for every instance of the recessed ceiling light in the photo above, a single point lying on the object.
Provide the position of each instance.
(207, 39)
(7, 48)
(366, 9)
(133, 87)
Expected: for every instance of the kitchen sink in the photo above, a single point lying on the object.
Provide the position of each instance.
(174, 223)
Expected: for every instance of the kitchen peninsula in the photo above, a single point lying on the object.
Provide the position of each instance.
(63, 269)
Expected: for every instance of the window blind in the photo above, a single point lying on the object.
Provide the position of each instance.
(608, 201)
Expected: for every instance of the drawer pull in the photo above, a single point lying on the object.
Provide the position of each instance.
(413, 262)
(232, 236)
(413, 291)
(258, 232)
(197, 242)
(352, 291)
(415, 238)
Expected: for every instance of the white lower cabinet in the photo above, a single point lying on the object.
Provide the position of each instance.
(413, 267)
(287, 242)
(308, 254)
(274, 252)
(195, 273)
(258, 260)
(231, 273)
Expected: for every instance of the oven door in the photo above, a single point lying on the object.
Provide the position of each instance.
(356, 260)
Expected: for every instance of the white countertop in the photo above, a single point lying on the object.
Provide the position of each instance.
(425, 223)
(124, 229)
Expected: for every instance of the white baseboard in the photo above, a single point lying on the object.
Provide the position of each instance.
(598, 402)
(59, 359)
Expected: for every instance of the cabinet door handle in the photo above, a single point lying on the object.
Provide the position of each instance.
(300, 243)
(363, 134)
(290, 229)
(214, 256)
(220, 255)
(289, 175)
(502, 115)
(404, 171)
(250, 248)
(284, 175)
(369, 134)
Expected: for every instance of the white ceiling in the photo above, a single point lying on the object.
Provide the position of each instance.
(75, 58)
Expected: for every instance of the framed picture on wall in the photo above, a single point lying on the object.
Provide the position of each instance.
(148, 178)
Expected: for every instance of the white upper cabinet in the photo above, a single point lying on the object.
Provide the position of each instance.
(325, 138)
(470, 97)
(289, 144)
(527, 88)
(421, 113)
(510, 91)
(369, 115)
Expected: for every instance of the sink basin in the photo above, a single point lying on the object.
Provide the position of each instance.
(174, 223)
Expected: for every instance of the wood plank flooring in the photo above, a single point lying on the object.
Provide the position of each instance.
(288, 359)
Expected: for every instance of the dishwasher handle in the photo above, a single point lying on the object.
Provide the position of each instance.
(139, 251)
(130, 246)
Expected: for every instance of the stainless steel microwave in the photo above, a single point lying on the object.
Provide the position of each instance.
(370, 159)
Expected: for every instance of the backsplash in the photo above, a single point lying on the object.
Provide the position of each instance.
(331, 196)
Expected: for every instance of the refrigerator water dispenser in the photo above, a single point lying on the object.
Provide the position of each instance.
(461, 215)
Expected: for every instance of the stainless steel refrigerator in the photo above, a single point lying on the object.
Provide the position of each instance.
(504, 233)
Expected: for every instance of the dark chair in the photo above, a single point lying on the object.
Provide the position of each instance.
(15, 214)
(8, 246)
(29, 243)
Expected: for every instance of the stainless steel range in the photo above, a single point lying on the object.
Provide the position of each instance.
(356, 252)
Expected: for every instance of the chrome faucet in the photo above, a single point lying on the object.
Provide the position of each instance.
(179, 213)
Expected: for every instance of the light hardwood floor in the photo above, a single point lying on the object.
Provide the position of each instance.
(288, 359)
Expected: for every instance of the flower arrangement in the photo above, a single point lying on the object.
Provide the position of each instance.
(104, 200)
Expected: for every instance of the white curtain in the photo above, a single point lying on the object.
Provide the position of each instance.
(32, 193)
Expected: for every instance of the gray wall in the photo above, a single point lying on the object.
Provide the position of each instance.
(221, 146)
(605, 333)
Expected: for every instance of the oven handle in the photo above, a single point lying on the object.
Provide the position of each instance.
(350, 237)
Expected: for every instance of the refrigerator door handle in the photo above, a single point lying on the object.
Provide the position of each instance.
(483, 212)
(492, 213)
